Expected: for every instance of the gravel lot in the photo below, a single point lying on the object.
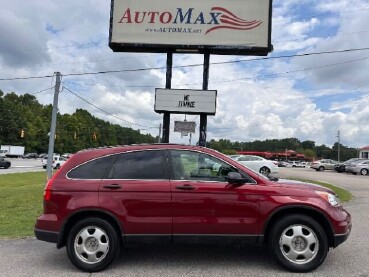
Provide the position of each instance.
(29, 257)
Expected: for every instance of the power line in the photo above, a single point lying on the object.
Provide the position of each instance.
(190, 65)
(34, 93)
(100, 109)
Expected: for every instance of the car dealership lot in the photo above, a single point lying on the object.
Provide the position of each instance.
(27, 257)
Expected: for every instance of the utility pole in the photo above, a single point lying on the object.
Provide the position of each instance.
(159, 133)
(338, 146)
(50, 153)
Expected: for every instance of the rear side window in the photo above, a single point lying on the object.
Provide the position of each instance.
(139, 165)
(95, 169)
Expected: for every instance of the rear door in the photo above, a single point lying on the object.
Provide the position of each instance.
(137, 191)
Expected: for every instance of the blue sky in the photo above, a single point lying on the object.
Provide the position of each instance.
(309, 97)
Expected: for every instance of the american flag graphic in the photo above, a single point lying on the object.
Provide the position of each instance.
(231, 21)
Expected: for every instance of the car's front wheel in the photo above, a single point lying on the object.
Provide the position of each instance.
(298, 243)
(92, 244)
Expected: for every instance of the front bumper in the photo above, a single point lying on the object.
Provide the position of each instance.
(346, 226)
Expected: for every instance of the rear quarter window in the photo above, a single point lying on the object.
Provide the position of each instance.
(95, 169)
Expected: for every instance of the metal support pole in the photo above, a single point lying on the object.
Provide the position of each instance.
(168, 85)
(203, 117)
(159, 133)
(338, 145)
(50, 153)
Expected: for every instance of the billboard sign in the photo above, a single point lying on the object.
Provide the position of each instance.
(185, 101)
(184, 127)
(241, 27)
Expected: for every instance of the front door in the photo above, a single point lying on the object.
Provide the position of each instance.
(204, 203)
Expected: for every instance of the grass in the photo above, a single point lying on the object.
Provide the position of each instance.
(21, 202)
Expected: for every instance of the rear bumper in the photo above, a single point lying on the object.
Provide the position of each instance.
(47, 236)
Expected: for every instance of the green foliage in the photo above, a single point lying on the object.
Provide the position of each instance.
(308, 148)
(74, 132)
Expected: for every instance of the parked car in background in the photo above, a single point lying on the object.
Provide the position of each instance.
(257, 163)
(66, 155)
(57, 162)
(104, 198)
(282, 164)
(30, 156)
(358, 167)
(324, 164)
(5, 163)
(42, 155)
(294, 164)
(341, 167)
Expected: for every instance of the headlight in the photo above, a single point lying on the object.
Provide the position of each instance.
(331, 198)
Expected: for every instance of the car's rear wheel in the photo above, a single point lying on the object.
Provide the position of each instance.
(92, 244)
(264, 170)
(298, 243)
(364, 171)
(7, 166)
(321, 168)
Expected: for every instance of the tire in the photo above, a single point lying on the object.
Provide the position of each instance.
(364, 171)
(298, 243)
(6, 166)
(321, 168)
(57, 166)
(264, 170)
(92, 244)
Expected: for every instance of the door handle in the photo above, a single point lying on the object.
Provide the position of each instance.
(112, 186)
(185, 187)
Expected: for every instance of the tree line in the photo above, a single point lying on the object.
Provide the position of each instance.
(26, 122)
(308, 148)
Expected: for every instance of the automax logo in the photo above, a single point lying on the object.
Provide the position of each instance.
(217, 18)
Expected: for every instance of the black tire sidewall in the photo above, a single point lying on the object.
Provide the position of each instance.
(265, 169)
(114, 244)
(281, 225)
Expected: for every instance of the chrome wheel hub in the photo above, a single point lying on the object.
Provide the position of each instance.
(91, 245)
(299, 244)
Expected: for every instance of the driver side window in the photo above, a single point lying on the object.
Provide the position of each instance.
(188, 165)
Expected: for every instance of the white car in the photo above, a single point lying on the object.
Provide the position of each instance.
(257, 163)
(57, 162)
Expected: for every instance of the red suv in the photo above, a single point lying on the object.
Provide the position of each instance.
(102, 199)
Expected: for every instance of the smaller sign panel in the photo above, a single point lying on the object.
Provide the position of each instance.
(185, 101)
(184, 127)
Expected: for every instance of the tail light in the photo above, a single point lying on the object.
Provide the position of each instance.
(48, 187)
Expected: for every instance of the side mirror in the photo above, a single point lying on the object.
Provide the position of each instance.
(235, 178)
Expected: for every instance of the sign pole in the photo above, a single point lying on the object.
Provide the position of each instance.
(205, 84)
(168, 85)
